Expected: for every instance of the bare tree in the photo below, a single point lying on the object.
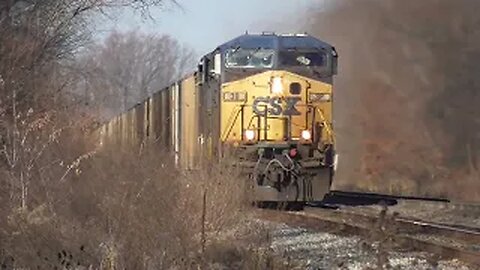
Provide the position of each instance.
(37, 39)
(128, 67)
(41, 137)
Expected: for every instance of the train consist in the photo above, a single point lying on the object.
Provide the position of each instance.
(263, 99)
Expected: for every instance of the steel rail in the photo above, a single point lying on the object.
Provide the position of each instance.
(347, 223)
(464, 234)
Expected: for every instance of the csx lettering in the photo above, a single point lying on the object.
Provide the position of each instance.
(274, 106)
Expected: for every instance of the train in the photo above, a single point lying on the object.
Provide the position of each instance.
(265, 100)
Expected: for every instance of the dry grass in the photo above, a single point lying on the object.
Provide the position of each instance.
(134, 210)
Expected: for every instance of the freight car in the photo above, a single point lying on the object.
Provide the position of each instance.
(265, 99)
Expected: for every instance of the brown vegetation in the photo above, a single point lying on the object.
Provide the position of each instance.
(132, 210)
(67, 202)
(407, 95)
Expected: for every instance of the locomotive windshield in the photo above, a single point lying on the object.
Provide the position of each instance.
(303, 59)
(249, 58)
(302, 54)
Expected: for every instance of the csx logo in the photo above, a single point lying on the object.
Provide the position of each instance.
(273, 106)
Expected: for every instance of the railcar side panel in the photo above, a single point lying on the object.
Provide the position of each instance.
(189, 120)
(176, 121)
(157, 119)
(149, 118)
(123, 129)
(165, 127)
(131, 125)
(140, 124)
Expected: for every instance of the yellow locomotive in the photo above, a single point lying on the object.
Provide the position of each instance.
(265, 98)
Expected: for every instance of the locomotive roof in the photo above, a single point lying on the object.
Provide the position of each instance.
(275, 41)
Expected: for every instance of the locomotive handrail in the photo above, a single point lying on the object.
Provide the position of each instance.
(232, 123)
(236, 113)
(327, 126)
(226, 134)
(259, 123)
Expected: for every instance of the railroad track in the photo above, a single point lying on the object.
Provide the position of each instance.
(443, 240)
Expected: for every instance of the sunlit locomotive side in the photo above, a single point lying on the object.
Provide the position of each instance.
(265, 100)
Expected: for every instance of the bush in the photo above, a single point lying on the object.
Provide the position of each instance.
(132, 209)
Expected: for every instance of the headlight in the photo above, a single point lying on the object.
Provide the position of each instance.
(277, 85)
(234, 96)
(249, 134)
(306, 135)
(317, 97)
